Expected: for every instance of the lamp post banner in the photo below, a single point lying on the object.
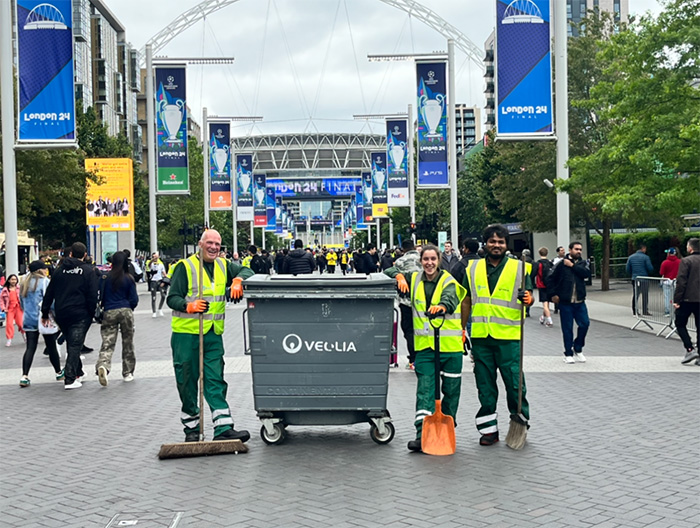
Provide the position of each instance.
(279, 224)
(523, 69)
(244, 188)
(432, 125)
(270, 206)
(45, 72)
(379, 185)
(359, 208)
(397, 142)
(219, 166)
(367, 196)
(259, 200)
(171, 130)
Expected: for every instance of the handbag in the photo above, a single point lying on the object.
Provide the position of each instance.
(49, 329)
(99, 308)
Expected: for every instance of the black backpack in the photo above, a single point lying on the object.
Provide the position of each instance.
(544, 272)
(258, 265)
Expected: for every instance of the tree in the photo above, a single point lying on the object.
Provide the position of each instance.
(641, 163)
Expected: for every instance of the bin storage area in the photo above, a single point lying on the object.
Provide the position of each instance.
(320, 349)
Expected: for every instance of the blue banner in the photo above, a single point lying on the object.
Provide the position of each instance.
(279, 221)
(45, 71)
(379, 185)
(270, 209)
(259, 200)
(432, 125)
(397, 143)
(171, 130)
(524, 69)
(219, 166)
(359, 208)
(313, 188)
(367, 196)
(244, 188)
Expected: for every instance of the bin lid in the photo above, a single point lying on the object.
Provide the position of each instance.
(375, 285)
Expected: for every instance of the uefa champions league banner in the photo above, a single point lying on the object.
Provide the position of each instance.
(397, 166)
(270, 202)
(219, 166)
(379, 185)
(366, 197)
(279, 225)
(259, 200)
(171, 131)
(432, 125)
(244, 188)
(524, 69)
(45, 72)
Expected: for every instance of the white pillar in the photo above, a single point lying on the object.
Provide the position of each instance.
(205, 152)
(234, 187)
(9, 170)
(561, 118)
(452, 141)
(379, 235)
(391, 232)
(252, 232)
(151, 149)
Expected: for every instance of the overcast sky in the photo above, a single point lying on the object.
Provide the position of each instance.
(297, 59)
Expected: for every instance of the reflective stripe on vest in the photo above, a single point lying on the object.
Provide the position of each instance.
(215, 293)
(496, 314)
(451, 331)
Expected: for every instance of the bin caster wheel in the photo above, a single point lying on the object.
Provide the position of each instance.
(276, 438)
(382, 439)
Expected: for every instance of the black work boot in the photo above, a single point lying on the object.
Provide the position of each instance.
(192, 436)
(232, 434)
(414, 445)
(488, 439)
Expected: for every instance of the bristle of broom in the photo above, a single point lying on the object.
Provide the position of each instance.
(196, 449)
(517, 434)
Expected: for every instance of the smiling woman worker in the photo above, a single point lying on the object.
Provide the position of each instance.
(435, 291)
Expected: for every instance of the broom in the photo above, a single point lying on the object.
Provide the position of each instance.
(517, 430)
(201, 448)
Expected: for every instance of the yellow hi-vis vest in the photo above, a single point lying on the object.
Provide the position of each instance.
(496, 314)
(332, 259)
(246, 261)
(215, 293)
(451, 330)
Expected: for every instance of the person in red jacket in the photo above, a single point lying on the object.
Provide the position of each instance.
(669, 272)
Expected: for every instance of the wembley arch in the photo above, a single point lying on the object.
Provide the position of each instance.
(413, 8)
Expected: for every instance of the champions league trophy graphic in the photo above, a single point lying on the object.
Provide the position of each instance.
(379, 175)
(432, 110)
(244, 180)
(171, 116)
(220, 157)
(259, 194)
(397, 153)
(368, 194)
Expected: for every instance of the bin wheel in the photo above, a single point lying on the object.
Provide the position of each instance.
(382, 439)
(276, 438)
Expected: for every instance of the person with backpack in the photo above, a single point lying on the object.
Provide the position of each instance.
(541, 272)
(257, 263)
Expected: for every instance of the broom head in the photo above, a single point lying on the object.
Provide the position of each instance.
(438, 436)
(196, 449)
(517, 432)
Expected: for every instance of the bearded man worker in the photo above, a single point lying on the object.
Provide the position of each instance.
(433, 291)
(186, 305)
(494, 300)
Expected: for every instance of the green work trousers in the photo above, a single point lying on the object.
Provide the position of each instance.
(451, 384)
(186, 362)
(489, 355)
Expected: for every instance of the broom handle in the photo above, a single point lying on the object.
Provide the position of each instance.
(522, 339)
(201, 348)
(437, 362)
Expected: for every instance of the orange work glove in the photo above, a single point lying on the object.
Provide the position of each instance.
(401, 283)
(464, 337)
(437, 310)
(198, 306)
(525, 297)
(237, 289)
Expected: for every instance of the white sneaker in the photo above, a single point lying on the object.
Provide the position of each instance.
(155, 315)
(548, 323)
(75, 385)
(541, 319)
(579, 357)
(160, 312)
(102, 375)
(569, 360)
(129, 377)
(9, 342)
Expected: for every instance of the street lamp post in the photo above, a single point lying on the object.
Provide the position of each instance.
(561, 119)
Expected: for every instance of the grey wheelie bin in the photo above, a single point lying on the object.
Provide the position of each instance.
(320, 348)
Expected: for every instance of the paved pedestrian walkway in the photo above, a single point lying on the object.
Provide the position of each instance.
(612, 444)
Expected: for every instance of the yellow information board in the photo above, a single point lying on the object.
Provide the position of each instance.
(110, 205)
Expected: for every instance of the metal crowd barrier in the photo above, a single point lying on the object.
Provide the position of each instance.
(654, 304)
